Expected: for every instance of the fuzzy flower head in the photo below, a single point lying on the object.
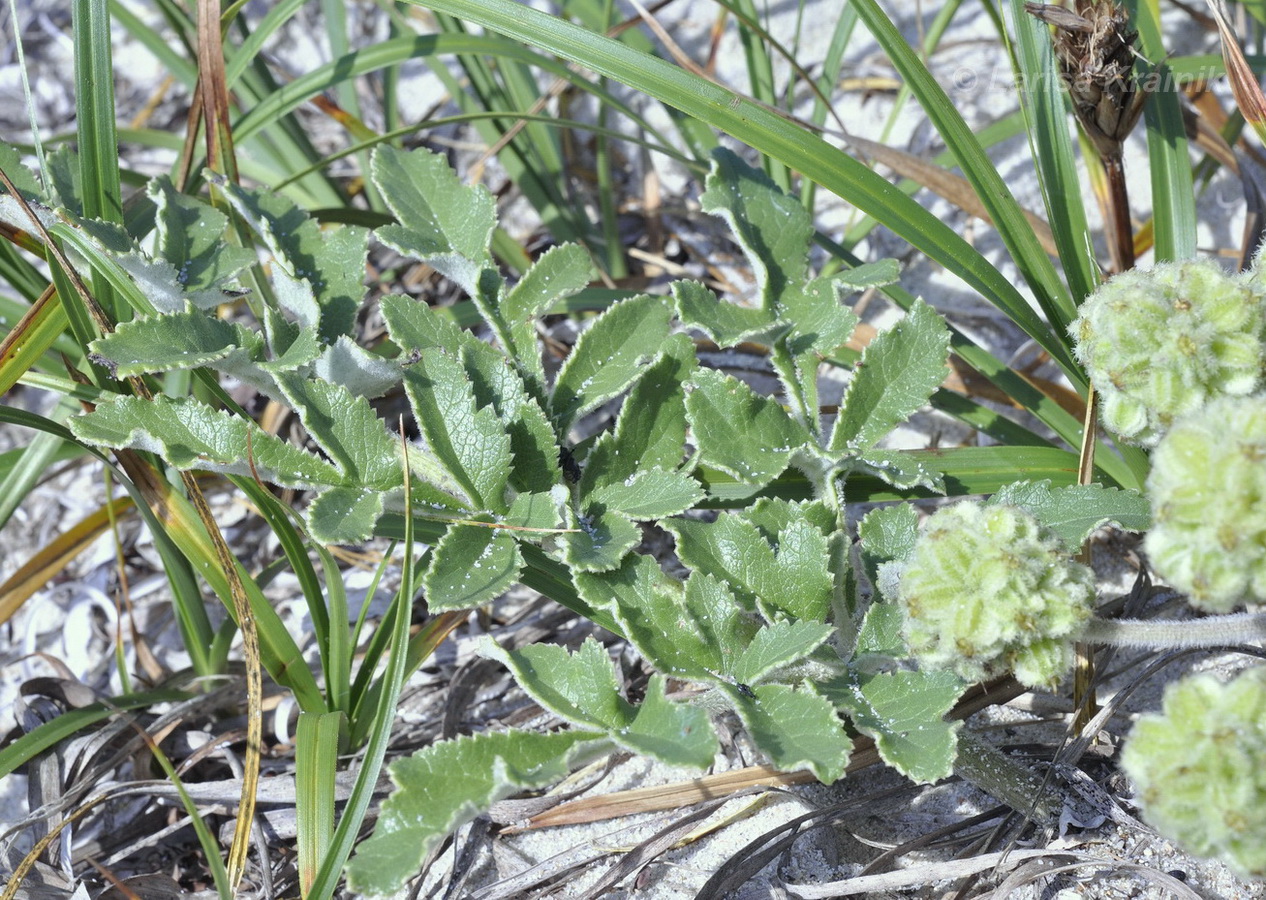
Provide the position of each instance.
(1208, 493)
(1200, 768)
(1161, 343)
(987, 589)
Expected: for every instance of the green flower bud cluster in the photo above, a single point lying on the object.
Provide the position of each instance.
(1208, 494)
(1200, 767)
(987, 589)
(1161, 343)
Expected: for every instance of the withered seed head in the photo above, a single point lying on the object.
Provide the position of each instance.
(1095, 48)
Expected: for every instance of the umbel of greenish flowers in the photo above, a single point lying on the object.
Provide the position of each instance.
(987, 589)
(1160, 343)
(1199, 767)
(1208, 495)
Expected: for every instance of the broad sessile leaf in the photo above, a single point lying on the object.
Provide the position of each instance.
(899, 371)
(902, 710)
(472, 444)
(581, 688)
(782, 574)
(191, 435)
(1074, 511)
(348, 430)
(609, 356)
(328, 262)
(441, 221)
(470, 566)
(738, 431)
(797, 728)
(449, 783)
(189, 234)
(187, 339)
(773, 228)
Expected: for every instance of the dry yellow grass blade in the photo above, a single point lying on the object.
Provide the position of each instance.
(1244, 84)
(55, 556)
(683, 793)
(954, 188)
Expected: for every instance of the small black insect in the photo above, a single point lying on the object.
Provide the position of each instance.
(571, 468)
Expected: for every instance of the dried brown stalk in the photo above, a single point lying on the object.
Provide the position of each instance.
(1095, 49)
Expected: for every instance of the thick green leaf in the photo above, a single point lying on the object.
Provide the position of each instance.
(189, 234)
(773, 516)
(889, 532)
(697, 633)
(899, 371)
(22, 177)
(798, 729)
(678, 734)
(725, 323)
(775, 646)
(821, 325)
(329, 261)
(344, 515)
(543, 510)
(186, 339)
(773, 228)
(600, 541)
(732, 550)
(415, 328)
(157, 279)
(443, 222)
(582, 689)
(804, 565)
(792, 580)
(449, 783)
(365, 374)
(609, 356)
(470, 443)
(651, 429)
(471, 566)
(1074, 511)
(903, 711)
(650, 494)
(743, 434)
(560, 272)
(901, 470)
(348, 430)
(191, 435)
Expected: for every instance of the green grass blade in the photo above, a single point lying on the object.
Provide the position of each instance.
(316, 762)
(1008, 218)
(35, 460)
(1044, 104)
(100, 189)
(44, 737)
(173, 63)
(760, 77)
(1173, 194)
(348, 829)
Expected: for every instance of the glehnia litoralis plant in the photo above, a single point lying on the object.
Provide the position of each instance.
(769, 614)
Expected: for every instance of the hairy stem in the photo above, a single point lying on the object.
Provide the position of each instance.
(1214, 631)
